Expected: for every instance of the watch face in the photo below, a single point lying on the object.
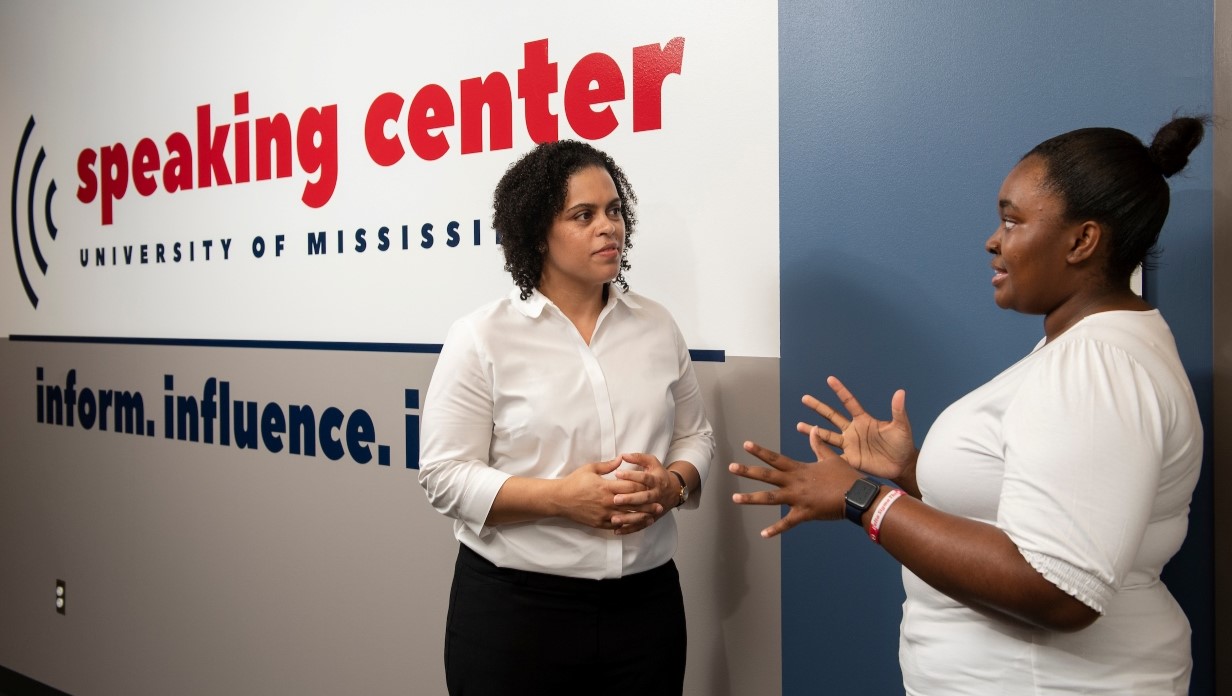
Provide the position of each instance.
(862, 494)
(860, 498)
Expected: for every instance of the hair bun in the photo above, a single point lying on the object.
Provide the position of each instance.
(1174, 141)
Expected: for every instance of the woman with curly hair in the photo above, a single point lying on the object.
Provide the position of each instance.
(562, 426)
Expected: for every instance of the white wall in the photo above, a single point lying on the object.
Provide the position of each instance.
(194, 567)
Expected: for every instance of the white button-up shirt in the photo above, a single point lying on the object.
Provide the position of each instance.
(517, 392)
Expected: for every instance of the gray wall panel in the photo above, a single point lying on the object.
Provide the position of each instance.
(197, 568)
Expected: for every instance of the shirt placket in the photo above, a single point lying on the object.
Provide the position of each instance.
(614, 562)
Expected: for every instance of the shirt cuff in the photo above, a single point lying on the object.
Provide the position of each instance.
(701, 462)
(477, 503)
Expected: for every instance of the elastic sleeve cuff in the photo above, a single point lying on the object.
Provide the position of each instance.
(1073, 580)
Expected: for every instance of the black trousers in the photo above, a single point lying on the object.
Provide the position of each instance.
(516, 632)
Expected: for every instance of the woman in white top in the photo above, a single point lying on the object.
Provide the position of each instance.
(562, 426)
(1042, 506)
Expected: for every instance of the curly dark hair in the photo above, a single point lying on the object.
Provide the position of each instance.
(532, 193)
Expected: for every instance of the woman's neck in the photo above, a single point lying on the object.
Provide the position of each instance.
(580, 306)
(1081, 306)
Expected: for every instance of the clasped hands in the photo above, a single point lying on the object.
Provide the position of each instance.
(629, 503)
(815, 491)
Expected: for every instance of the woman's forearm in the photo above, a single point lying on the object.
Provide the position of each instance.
(977, 564)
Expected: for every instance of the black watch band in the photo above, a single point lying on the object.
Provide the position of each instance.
(860, 498)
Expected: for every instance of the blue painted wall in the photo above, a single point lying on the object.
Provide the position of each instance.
(898, 123)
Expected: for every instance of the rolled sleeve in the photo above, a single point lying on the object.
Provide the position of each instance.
(692, 437)
(457, 434)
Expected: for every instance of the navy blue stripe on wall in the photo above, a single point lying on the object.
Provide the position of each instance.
(236, 343)
(699, 355)
(897, 124)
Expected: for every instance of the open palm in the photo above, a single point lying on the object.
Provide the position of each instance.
(877, 447)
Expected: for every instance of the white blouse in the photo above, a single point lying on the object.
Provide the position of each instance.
(1086, 453)
(517, 392)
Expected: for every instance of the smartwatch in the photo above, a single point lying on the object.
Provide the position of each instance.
(684, 488)
(860, 498)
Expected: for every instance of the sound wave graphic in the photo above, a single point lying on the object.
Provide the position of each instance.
(31, 190)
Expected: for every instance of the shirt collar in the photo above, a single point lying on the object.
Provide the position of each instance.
(533, 306)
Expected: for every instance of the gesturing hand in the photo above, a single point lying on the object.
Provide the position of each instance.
(813, 491)
(880, 448)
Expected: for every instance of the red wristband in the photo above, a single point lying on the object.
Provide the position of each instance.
(874, 525)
